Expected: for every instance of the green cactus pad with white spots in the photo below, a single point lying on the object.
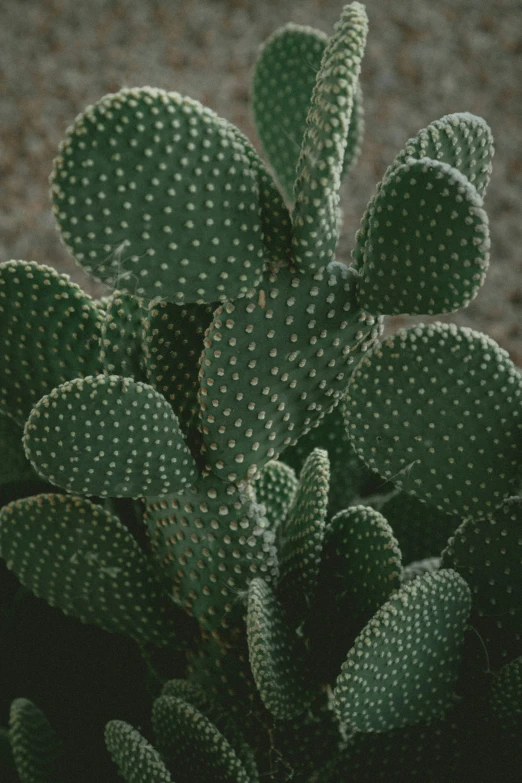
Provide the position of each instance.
(277, 655)
(275, 488)
(421, 529)
(50, 334)
(320, 163)
(173, 342)
(462, 140)
(301, 535)
(404, 664)
(438, 409)
(427, 250)
(83, 560)
(274, 363)
(506, 692)
(137, 760)
(154, 195)
(211, 541)
(362, 553)
(121, 346)
(108, 436)
(37, 751)
(284, 79)
(487, 553)
(194, 748)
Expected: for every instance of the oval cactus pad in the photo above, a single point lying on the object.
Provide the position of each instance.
(108, 436)
(154, 195)
(438, 409)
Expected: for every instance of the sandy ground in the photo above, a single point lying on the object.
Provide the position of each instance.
(425, 58)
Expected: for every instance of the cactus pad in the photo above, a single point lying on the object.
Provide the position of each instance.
(51, 334)
(427, 250)
(277, 655)
(80, 558)
(302, 533)
(461, 140)
(320, 163)
(37, 751)
(120, 437)
(404, 663)
(363, 556)
(154, 195)
(275, 488)
(273, 365)
(438, 409)
(137, 760)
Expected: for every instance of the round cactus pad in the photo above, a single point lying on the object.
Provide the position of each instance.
(154, 195)
(50, 334)
(427, 246)
(403, 665)
(108, 436)
(438, 410)
(82, 559)
(461, 140)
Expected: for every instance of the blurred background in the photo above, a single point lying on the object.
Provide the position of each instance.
(425, 58)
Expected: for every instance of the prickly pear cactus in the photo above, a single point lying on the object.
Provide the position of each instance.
(309, 539)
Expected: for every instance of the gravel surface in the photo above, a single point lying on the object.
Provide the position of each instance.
(425, 58)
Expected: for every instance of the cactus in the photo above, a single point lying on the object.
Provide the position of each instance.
(311, 536)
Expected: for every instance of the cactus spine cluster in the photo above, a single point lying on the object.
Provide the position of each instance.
(312, 538)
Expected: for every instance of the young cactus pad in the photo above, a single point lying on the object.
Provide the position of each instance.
(309, 538)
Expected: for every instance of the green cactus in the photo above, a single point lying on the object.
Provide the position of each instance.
(37, 751)
(311, 538)
(136, 758)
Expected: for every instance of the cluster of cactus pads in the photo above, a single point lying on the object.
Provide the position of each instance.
(307, 542)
